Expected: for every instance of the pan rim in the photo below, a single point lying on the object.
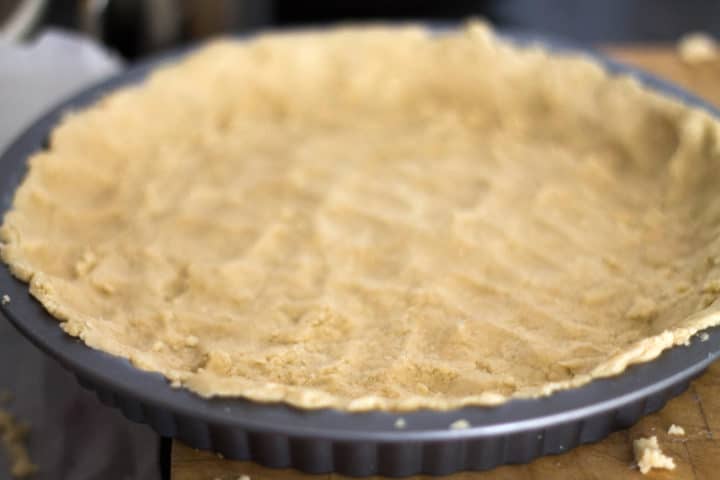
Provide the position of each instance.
(515, 416)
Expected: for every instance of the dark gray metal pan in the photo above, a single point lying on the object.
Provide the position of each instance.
(327, 440)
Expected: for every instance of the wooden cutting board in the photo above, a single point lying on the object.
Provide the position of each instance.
(697, 454)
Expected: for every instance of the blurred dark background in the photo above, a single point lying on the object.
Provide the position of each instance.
(138, 27)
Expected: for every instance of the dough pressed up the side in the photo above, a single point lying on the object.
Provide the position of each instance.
(376, 218)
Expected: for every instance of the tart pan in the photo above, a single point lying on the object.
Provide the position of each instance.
(327, 440)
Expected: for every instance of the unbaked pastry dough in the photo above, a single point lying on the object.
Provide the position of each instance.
(648, 455)
(376, 218)
(698, 47)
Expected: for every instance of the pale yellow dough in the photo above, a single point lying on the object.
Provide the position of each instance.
(698, 47)
(376, 218)
(648, 455)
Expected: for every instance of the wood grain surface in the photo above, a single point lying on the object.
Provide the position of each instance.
(697, 454)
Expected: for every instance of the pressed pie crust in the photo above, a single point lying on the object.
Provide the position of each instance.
(376, 218)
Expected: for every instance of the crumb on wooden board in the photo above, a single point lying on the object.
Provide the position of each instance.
(676, 430)
(648, 455)
(698, 47)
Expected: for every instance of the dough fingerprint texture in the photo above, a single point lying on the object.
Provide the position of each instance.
(376, 218)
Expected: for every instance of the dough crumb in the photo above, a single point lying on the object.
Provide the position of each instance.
(5, 299)
(461, 424)
(704, 337)
(648, 455)
(400, 423)
(244, 477)
(676, 430)
(86, 263)
(191, 341)
(712, 286)
(219, 361)
(642, 309)
(103, 286)
(13, 438)
(697, 47)
(682, 287)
